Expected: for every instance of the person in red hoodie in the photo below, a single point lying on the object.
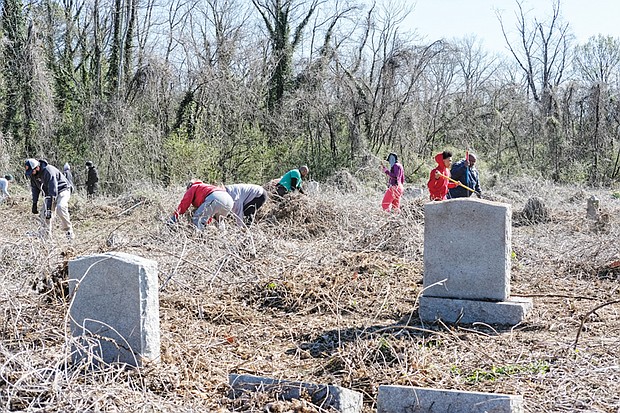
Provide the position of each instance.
(212, 202)
(438, 184)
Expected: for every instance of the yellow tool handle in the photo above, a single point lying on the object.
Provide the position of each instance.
(456, 182)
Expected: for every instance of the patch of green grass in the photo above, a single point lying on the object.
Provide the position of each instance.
(496, 372)
(615, 195)
(384, 344)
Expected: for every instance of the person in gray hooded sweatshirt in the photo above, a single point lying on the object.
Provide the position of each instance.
(247, 199)
(47, 180)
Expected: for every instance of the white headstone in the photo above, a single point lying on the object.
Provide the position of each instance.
(467, 242)
(467, 253)
(115, 308)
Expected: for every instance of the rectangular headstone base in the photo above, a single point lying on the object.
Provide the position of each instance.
(451, 310)
(403, 399)
(326, 396)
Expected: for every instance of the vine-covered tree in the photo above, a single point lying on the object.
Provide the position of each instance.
(279, 16)
(14, 57)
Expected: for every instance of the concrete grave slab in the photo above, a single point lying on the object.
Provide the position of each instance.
(115, 308)
(325, 396)
(403, 399)
(452, 310)
(467, 242)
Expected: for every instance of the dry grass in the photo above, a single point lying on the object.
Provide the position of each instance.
(323, 289)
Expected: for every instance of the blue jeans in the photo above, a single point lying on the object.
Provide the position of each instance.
(217, 205)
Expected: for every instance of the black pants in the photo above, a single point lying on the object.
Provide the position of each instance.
(249, 209)
(281, 190)
(92, 189)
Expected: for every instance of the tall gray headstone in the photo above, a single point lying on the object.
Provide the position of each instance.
(115, 308)
(467, 243)
(467, 253)
(593, 208)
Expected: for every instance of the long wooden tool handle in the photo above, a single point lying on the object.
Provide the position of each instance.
(457, 182)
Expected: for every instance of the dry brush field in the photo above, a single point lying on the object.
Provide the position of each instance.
(323, 289)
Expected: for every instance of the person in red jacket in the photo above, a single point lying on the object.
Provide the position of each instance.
(438, 184)
(213, 202)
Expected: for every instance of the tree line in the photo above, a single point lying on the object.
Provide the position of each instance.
(230, 90)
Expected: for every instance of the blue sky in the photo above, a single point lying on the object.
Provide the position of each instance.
(436, 19)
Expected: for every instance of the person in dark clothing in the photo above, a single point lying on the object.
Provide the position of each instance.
(48, 180)
(69, 176)
(466, 173)
(92, 185)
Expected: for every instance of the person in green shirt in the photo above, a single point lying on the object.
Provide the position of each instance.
(291, 181)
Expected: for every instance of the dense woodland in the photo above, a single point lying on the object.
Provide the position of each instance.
(239, 90)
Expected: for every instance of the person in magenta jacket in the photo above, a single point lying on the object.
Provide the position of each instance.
(212, 202)
(438, 184)
(396, 175)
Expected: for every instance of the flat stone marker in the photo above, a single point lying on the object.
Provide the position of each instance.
(403, 399)
(467, 252)
(115, 309)
(322, 395)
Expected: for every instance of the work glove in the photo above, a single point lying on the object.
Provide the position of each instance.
(172, 220)
(479, 194)
(34, 208)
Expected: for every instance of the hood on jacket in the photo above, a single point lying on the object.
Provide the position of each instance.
(439, 160)
(392, 159)
(30, 164)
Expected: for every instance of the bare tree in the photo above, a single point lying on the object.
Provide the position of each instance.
(476, 69)
(597, 62)
(542, 52)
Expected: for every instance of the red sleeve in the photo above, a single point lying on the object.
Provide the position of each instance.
(185, 202)
(434, 185)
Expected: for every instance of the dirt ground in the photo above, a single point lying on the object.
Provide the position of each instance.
(324, 288)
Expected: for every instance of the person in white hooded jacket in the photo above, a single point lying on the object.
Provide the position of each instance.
(248, 198)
